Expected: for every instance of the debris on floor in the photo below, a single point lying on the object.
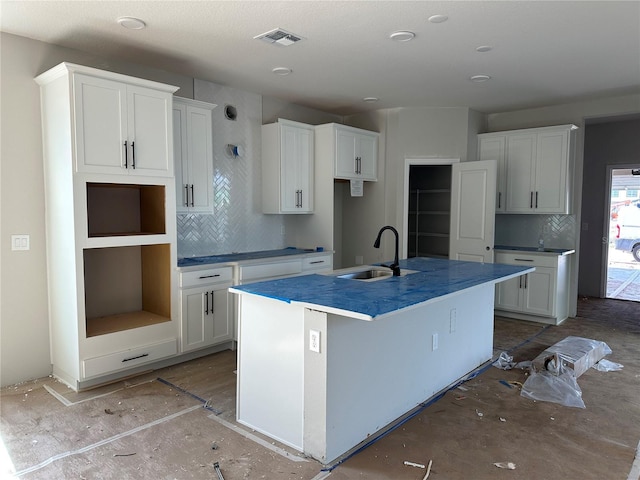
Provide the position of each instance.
(412, 464)
(577, 353)
(506, 465)
(426, 475)
(554, 373)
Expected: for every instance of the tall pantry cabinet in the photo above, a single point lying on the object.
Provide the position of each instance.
(111, 234)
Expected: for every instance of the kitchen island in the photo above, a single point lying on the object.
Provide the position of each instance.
(325, 362)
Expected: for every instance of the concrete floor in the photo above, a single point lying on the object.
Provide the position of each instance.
(175, 422)
(623, 276)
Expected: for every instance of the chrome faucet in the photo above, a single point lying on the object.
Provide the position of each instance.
(395, 266)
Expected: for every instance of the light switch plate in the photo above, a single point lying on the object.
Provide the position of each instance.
(20, 242)
(314, 341)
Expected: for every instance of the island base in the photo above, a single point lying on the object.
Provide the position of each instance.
(324, 383)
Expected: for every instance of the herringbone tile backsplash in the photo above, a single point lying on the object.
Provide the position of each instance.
(558, 231)
(237, 223)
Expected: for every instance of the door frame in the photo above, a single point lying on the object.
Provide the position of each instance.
(606, 224)
(408, 163)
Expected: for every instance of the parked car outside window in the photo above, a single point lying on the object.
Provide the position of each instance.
(628, 229)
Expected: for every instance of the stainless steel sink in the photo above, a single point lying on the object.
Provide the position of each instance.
(367, 274)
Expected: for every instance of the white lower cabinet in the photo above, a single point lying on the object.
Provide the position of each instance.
(133, 357)
(540, 296)
(204, 307)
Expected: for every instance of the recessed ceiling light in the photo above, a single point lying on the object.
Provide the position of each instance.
(484, 48)
(402, 36)
(438, 18)
(282, 71)
(370, 99)
(480, 78)
(131, 23)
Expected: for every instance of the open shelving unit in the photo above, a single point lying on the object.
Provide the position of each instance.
(429, 211)
(110, 221)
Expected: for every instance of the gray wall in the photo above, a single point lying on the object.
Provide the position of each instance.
(24, 325)
(423, 132)
(426, 132)
(605, 144)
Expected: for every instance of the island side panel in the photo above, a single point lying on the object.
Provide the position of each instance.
(315, 386)
(270, 392)
(377, 371)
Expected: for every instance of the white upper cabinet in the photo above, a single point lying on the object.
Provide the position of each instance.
(356, 154)
(193, 154)
(493, 147)
(287, 167)
(536, 171)
(121, 128)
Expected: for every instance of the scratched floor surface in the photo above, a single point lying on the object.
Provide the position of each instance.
(176, 422)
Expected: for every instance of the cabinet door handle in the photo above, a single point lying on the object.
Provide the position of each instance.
(133, 155)
(211, 302)
(526, 281)
(192, 194)
(300, 198)
(536, 199)
(135, 358)
(210, 276)
(499, 199)
(206, 308)
(523, 259)
(186, 193)
(126, 155)
(531, 200)
(520, 281)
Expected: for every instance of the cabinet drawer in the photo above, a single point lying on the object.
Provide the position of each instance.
(320, 262)
(129, 358)
(206, 277)
(532, 259)
(253, 273)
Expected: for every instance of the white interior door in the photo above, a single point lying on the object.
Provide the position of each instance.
(473, 192)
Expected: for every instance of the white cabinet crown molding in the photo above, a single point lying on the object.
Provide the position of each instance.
(65, 67)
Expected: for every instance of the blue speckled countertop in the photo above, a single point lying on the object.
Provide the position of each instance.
(434, 278)
(237, 257)
(548, 251)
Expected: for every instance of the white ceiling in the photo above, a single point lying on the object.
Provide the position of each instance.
(544, 52)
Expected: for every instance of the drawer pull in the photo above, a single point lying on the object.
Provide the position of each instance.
(317, 261)
(209, 276)
(523, 259)
(135, 358)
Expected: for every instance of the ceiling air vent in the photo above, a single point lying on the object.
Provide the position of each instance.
(280, 37)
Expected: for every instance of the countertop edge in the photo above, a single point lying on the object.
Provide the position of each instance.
(559, 252)
(250, 261)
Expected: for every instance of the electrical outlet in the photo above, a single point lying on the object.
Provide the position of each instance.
(20, 242)
(434, 342)
(314, 341)
(453, 320)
